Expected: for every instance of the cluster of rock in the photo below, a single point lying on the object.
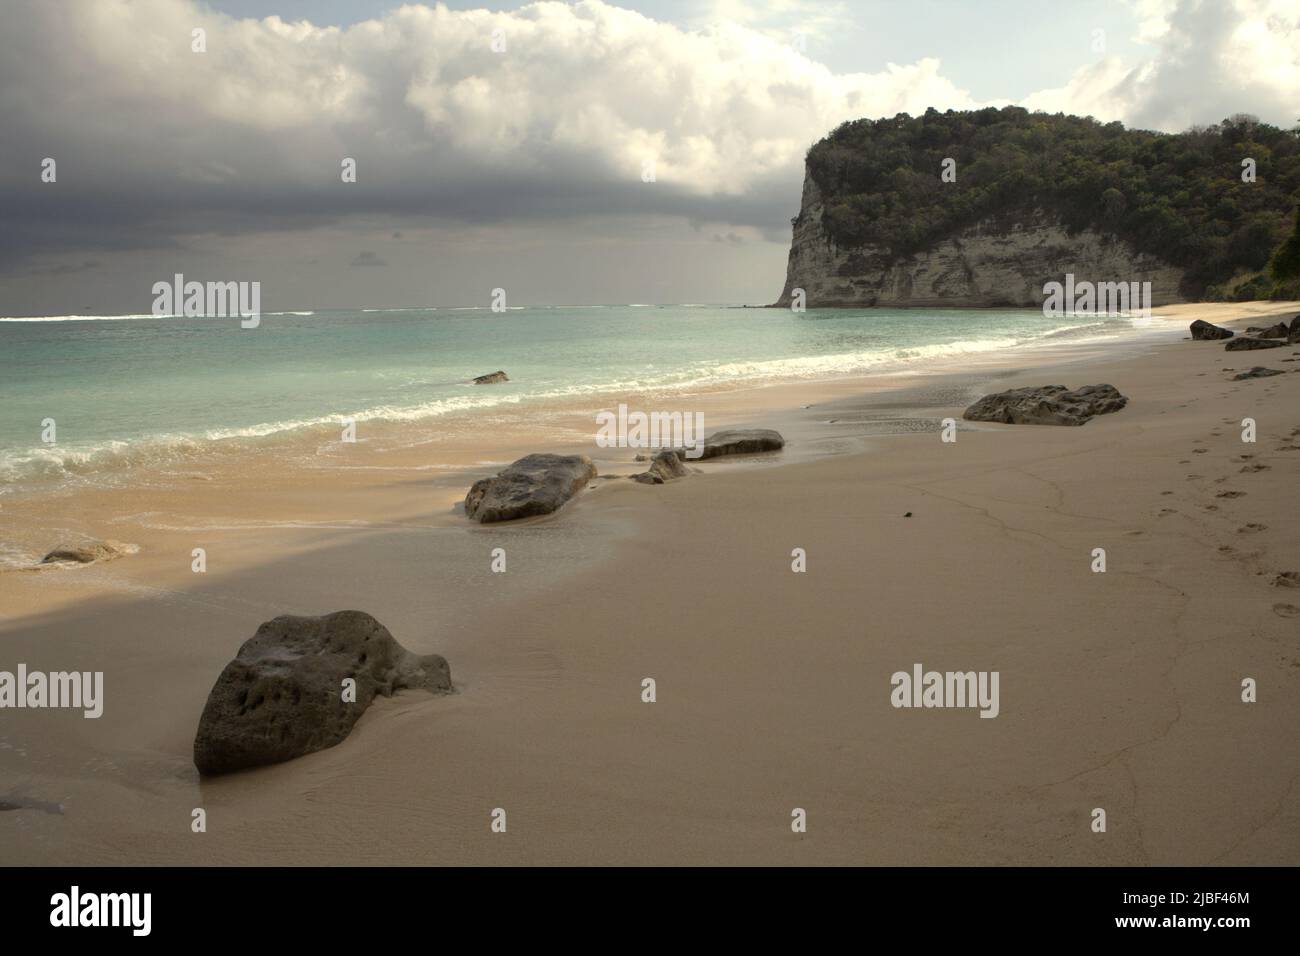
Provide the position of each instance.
(669, 464)
(300, 684)
(540, 484)
(1256, 337)
(1046, 405)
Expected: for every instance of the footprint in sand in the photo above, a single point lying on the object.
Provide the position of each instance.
(1253, 467)
(1286, 610)
(1226, 549)
(1287, 579)
(1166, 492)
(1165, 511)
(1243, 458)
(1199, 451)
(1231, 494)
(1252, 527)
(1210, 507)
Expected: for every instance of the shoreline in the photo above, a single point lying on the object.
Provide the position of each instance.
(771, 696)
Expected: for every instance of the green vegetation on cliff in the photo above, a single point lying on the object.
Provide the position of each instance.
(1178, 196)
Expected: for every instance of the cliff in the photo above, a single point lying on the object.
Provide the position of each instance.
(999, 262)
(982, 208)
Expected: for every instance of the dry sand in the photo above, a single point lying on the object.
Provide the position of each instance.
(1119, 690)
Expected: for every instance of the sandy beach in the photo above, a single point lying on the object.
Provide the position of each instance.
(1119, 690)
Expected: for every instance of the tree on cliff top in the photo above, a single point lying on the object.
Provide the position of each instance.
(1286, 261)
(1178, 196)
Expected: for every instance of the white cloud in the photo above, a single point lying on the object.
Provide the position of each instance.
(1211, 59)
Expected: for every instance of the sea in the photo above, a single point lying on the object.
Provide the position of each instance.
(139, 388)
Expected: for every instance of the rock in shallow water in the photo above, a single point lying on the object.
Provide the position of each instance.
(533, 485)
(492, 378)
(88, 552)
(283, 694)
(1046, 405)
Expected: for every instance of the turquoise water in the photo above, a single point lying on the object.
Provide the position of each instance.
(121, 387)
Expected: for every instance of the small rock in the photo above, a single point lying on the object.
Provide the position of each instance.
(663, 467)
(1258, 372)
(491, 378)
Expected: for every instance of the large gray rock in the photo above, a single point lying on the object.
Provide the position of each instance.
(1046, 405)
(492, 378)
(533, 485)
(283, 696)
(1204, 330)
(1278, 331)
(1293, 334)
(737, 441)
(1245, 344)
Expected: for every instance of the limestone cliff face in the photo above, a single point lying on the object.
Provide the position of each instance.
(993, 263)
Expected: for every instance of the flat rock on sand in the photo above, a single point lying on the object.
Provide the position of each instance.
(88, 552)
(1046, 405)
(533, 485)
(738, 441)
(1244, 344)
(282, 696)
(1257, 372)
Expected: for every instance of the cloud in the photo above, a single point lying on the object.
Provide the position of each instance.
(162, 148)
(1211, 59)
(154, 140)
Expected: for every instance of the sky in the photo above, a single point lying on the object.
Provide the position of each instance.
(585, 152)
